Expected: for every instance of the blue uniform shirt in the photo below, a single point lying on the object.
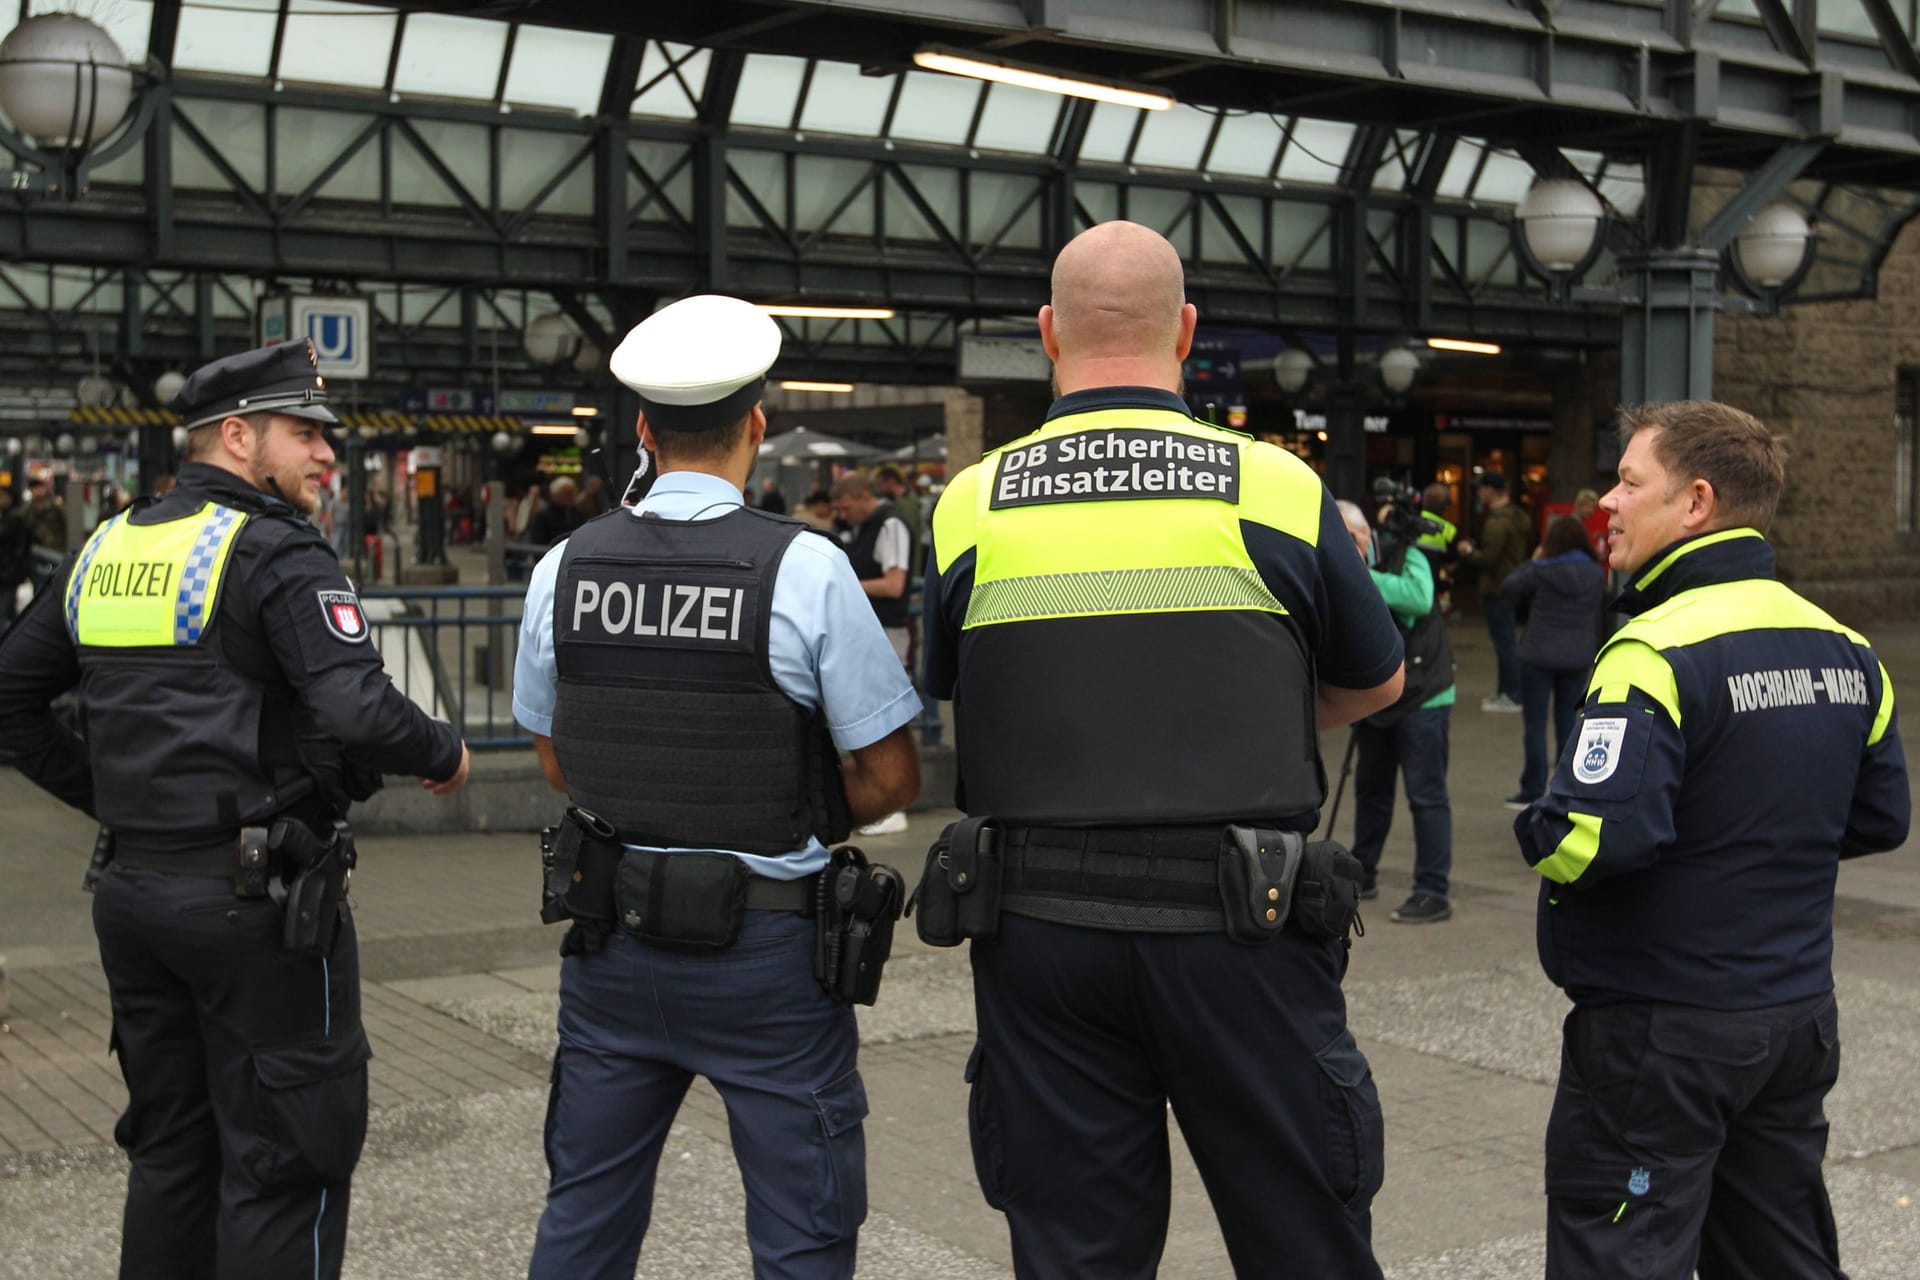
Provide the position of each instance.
(826, 648)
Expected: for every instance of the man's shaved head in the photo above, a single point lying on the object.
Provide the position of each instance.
(1119, 313)
(1117, 291)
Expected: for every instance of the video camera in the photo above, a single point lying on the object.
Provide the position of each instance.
(1401, 516)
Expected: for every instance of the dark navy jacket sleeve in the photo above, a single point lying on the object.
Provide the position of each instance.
(1359, 645)
(37, 665)
(1610, 807)
(1882, 808)
(343, 681)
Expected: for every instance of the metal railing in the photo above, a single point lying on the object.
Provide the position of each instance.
(451, 650)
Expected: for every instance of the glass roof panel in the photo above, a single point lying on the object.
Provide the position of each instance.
(1110, 132)
(1316, 151)
(1174, 138)
(935, 108)
(1458, 175)
(1505, 180)
(1624, 188)
(129, 22)
(674, 94)
(1848, 17)
(556, 68)
(1018, 119)
(1741, 8)
(1246, 144)
(842, 100)
(330, 43)
(769, 87)
(450, 57)
(235, 39)
(9, 14)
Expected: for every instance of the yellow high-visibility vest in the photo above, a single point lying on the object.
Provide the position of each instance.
(151, 585)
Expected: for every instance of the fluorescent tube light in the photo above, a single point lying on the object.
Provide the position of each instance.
(816, 386)
(1045, 81)
(827, 313)
(1461, 344)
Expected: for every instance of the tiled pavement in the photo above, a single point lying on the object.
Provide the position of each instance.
(459, 1004)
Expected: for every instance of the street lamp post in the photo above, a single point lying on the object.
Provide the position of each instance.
(65, 88)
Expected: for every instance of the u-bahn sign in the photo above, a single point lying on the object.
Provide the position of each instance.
(341, 329)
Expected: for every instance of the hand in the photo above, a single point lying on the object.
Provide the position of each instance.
(1464, 546)
(1539, 552)
(453, 784)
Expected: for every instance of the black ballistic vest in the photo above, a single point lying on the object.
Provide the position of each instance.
(866, 564)
(669, 722)
(195, 740)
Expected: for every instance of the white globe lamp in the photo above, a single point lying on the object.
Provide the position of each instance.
(1397, 369)
(1291, 369)
(1560, 219)
(550, 339)
(1773, 245)
(63, 81)
(168, 384)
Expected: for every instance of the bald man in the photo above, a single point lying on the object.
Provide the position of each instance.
(1140, 619)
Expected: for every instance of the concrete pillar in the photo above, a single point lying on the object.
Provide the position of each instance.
(965, 420)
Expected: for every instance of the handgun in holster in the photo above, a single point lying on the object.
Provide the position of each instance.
(855, 906)
(97, 864)
(317, 886)
(578, 859)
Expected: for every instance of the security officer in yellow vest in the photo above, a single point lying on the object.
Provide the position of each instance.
(1736, 744)
(688, 667)
(233, 707)
(1140, 619)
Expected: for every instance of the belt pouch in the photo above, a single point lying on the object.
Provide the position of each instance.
(251, 862)
(959, 892)
(1257, 870)
(685, 900)
(587, 890)
(1326, 894)
(559, 856)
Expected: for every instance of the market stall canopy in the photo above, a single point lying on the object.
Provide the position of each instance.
(814, 446)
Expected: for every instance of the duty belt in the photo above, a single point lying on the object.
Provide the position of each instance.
(208, 860)
(1147, 879)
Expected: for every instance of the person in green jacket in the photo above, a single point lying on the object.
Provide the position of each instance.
(1409, 737)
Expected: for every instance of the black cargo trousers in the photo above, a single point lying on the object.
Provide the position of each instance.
(1686, 1138)
(246, 1078)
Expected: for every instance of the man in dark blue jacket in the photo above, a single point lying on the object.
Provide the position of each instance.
(1736, 744)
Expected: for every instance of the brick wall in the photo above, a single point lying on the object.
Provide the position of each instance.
(1823, 375)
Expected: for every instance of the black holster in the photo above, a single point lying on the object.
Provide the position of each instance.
(97, 864)
(855, 907)
(318, 874)
(1258, 871)
(578, 860)
(958, 896)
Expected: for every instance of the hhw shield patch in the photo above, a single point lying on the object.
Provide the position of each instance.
(1598, 752)
(341, 611)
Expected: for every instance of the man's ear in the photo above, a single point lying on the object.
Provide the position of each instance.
(757, 427)
(234, 431)
(645, 434)
(1048, 343)
(1189, 320)
(1703, 505)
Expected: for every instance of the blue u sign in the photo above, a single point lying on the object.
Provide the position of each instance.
(333, 335)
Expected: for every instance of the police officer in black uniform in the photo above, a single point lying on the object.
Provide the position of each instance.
(233, 706)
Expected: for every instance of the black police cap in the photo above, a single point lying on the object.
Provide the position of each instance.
(284, 378)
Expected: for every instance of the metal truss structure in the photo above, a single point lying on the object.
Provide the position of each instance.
(1339, 167)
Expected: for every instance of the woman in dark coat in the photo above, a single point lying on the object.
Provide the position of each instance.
(1561, 590)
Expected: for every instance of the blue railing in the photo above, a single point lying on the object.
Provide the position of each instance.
(451, 650)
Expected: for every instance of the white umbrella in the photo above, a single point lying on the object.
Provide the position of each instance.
(813, 446)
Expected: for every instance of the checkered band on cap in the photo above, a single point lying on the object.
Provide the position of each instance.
(79, 577)
(196, 577)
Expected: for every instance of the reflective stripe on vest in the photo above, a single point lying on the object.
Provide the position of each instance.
(1439, 539)
(1123, 511)
(145, 586)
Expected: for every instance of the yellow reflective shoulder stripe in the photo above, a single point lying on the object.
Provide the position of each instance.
(1575, 853)
(1711, 539)
(1630, 660)
(1279, 490)
(1884, 716)
(956, 517)
(141, 586)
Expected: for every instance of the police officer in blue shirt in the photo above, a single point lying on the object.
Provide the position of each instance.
(688, 667)
(1736, 744)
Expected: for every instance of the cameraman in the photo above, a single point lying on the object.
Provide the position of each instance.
(1411, 735)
